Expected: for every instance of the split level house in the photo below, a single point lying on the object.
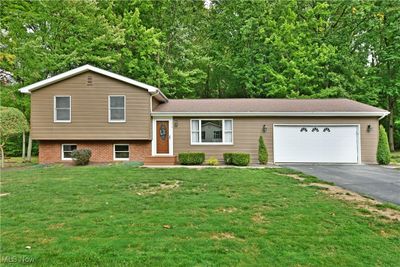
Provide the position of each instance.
(121, 119)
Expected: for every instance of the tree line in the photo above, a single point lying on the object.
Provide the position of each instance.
(213, 49)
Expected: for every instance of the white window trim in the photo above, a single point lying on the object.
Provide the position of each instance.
(122, 159)
(109, 109)
(211, 143)
(55, 109)
(62, 150)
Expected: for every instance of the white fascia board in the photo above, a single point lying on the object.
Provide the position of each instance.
(271, 114)
(151, 89)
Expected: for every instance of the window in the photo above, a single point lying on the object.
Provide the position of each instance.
(116, 108)
(212, 131)
(121, 152)
(66, 151)
(62, 109)
(217, 134)
(195, 131)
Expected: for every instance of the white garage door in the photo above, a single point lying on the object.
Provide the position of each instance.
(316, 143)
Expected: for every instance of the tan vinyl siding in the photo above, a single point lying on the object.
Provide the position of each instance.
(246, 132)
(89, 114)
(155, 103)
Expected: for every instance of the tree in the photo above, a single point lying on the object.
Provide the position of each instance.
(50, 37)
(12, 122)
(384, 39)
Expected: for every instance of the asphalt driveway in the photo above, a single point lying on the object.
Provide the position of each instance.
(375, 181)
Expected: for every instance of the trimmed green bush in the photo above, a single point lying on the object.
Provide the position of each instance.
(383, 152)
(238, 159)
(81, 156)
(262, 151)
(228, 158)
(191, 158)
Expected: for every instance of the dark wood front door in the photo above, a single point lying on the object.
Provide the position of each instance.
(162, 137)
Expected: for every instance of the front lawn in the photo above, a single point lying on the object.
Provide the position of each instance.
(109, 215)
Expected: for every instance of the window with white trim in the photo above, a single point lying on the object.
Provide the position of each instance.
(116, 108)
(212, 131)
(62, 108)
(66, 151)
(121, 152)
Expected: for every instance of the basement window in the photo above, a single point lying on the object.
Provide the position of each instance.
(66, 151)
(121, 152)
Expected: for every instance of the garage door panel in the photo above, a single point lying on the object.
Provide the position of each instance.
(337, 144)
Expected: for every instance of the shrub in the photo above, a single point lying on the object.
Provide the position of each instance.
(191, 158)
(262, 151)
(81, 156)
(212, 161)
(383, 152)
(240, 159)
(228, 158)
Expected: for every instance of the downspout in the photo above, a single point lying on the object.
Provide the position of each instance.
(152, 122)
(151, 100)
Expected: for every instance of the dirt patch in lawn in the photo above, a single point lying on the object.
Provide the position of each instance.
(258, 218)
(362, 202)
(222, 236)
(296, 176)
(56, 226)
(169, 185)
(227, 210)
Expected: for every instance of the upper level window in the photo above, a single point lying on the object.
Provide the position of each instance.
(116, 108)
(212, 131)
(62, 109)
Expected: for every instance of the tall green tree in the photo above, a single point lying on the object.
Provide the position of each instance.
(12, 122)
(50, 37)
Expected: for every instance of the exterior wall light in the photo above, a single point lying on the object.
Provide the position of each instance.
(264, 129)
(175, 123)
(369, 128)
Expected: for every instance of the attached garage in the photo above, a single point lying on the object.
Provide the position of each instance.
(316, 143)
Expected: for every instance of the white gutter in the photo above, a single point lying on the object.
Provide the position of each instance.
(384, 115)
(271, 114)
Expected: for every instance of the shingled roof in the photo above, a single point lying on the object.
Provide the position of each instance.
(252, 106)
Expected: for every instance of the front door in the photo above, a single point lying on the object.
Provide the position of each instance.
(162, 137)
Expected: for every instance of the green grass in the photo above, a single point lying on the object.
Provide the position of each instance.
(19, 162)
(395, 157)
(121, 215)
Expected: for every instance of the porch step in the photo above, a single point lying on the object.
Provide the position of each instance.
(160, 160)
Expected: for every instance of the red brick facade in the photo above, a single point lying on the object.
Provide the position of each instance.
(102, 151)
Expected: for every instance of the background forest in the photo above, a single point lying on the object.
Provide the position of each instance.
(211, 49)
